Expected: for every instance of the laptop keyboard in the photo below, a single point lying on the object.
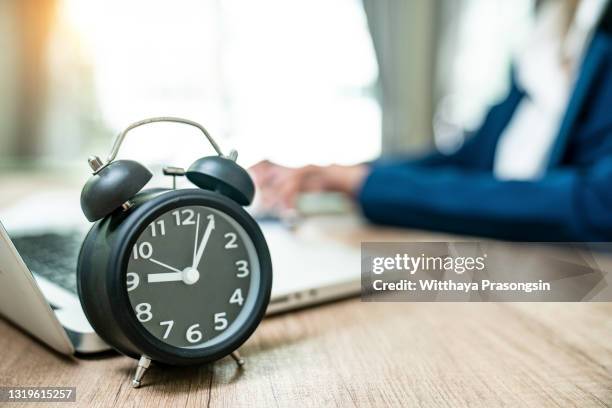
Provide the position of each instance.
(52, 256)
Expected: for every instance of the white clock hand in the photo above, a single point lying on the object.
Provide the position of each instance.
(165, 277)
(209, 228)
(195, 242)
(155, 261)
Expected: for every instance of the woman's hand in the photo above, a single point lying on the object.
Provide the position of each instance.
(278, 186)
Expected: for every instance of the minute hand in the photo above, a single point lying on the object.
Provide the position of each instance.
(209, 228)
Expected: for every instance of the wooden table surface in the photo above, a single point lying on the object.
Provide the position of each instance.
(350, 353)
(363, 354)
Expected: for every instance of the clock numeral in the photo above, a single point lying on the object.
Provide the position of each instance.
(162, 227)
(220, 321)
(143, 250)
(231, 240)
(168, 323)
(237, 297)
(188, 217)
(193, 335)
(132, 281)
(243, 268)
(143, 312)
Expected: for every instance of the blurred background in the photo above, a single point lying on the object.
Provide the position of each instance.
(294, 81)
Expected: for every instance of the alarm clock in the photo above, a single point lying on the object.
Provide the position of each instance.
(173, 276)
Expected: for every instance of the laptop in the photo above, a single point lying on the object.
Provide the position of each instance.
(38, 280)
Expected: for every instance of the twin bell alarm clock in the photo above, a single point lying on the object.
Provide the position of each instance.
(172, 276)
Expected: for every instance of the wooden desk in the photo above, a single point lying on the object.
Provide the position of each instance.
(363, 354)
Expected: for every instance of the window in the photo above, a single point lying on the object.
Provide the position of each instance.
(288, 80)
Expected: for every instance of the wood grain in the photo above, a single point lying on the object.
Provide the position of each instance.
(363, 354)
(351, 353)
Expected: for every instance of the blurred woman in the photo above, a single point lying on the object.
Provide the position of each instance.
(539, 168)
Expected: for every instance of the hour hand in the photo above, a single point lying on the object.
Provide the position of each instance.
(165, 277)
(176, 275)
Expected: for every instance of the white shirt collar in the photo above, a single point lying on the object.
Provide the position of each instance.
(540, 69)
(583, 26)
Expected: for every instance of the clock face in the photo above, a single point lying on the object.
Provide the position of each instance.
(193, 277)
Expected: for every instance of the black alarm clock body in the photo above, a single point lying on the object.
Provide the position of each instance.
(183, 277)
(172, 276)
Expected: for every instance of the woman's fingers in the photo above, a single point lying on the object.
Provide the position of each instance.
(304, 179)
(262, 172)
(279, 186)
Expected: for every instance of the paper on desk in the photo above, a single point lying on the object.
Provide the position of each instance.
(44, 211)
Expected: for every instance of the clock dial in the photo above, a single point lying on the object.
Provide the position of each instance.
(193, 277)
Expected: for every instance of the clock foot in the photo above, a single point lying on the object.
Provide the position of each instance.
(143, 364)
(237, 358)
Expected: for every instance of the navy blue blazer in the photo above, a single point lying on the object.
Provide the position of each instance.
(458, 193)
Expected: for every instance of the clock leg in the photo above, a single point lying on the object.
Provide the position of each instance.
(141, 369)
(237, 358)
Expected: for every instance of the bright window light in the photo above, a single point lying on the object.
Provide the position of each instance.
(288, 80)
